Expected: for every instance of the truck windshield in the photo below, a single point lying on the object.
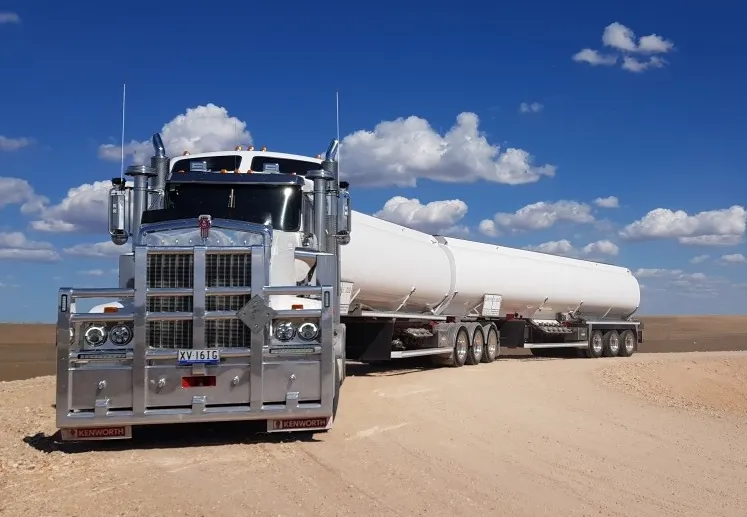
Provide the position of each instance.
(276, 205)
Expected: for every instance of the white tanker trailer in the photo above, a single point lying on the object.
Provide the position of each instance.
(394, 276)
(250, 282)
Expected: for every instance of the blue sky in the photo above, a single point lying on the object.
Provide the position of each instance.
(664, 141)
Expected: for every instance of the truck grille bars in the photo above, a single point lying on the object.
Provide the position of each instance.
(170, 281)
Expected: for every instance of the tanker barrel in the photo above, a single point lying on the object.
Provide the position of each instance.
(142, 175)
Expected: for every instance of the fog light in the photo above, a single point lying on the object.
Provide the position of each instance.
(95, 336)
(120, 335)
(285, 331)
(308, 331)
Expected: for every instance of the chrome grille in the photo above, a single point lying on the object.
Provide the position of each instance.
(176, 271)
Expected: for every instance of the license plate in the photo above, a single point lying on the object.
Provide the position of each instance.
(97, 433)
(297, 424)
(200, 356)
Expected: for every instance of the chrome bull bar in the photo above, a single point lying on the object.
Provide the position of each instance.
(114, 385)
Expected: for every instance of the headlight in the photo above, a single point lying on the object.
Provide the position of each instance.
(120, 335)
(95, 335)
(308, 331)
(285, 331)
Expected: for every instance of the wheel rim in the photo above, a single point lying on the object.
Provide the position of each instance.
(614, 344)
(492, 346)
(629, 343)
(462, 343)
(478, 344)
(596, 343)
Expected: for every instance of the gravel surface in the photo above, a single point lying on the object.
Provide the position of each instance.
(654, 435)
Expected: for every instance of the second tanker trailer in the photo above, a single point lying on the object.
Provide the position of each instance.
(406, 293)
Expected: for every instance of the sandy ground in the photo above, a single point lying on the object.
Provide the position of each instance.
(653, 435)
(27, 350)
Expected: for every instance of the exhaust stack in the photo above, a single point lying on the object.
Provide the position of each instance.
(159, 162)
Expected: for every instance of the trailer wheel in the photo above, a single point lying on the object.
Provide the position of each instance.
(596, 345)
(628, 343)
(461, 347)
(492, 344)
(611, 343)
(477, 348)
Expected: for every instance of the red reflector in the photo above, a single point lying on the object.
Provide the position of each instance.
(111, 309)
(198, 381)
(296, 306)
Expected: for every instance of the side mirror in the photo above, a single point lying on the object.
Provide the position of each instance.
(344, 214)
(119, 220)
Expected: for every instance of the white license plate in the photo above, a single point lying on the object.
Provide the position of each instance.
(200, 356)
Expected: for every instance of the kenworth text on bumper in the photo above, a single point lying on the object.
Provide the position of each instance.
(251, 281)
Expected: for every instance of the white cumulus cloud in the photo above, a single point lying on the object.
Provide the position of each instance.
(16, 246)
(16, 191)
(13, 144)
(734, 258)
(607, 202)
(98, 249)
(699, 259)
(565, 248)
(594, 58)
(622, 40)
(401, 151)
(199, 129)
(708, 228)
(84, 210)
(543, 215)
(436, 217)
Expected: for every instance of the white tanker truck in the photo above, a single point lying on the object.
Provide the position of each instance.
(251, 281)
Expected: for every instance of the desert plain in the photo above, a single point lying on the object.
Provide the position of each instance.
(663, 433)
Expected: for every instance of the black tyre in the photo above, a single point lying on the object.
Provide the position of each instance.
(461, 347)
(596, 345)
(492, 347)
(628, 343)
(477, 347)
(611, 342)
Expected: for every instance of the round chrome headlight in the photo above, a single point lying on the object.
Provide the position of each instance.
(285, 331)
(308, 331)
(120, 335)
(95, 336)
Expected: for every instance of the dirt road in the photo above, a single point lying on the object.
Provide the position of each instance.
(520, 437)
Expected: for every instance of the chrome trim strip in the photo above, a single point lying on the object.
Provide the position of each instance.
(139, 362)
(198, 299)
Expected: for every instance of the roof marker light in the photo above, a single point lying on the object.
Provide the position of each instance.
(264, 148)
